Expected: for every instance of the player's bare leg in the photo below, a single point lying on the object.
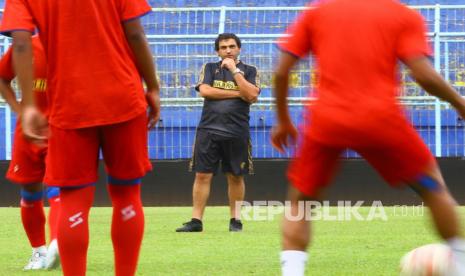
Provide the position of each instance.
(200, 194)
(236, 192)
(296, 234)
(442, 205)
(33, 219)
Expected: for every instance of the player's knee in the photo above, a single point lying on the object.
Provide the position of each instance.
(294, 195)
(203, 178)
(427, 184)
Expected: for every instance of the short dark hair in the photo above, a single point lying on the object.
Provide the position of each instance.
(225, 36)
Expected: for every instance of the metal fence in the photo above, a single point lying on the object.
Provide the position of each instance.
(182, 40)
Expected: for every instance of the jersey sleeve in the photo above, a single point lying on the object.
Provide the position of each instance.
(16, 17)
(206, 76)
(298, 36)
(412, 40)
(6, 66)
(252, 76)
(133, 9)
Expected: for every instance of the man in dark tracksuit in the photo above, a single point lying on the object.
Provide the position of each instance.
(228, 87)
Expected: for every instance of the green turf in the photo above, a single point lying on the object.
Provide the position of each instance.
(339, 247)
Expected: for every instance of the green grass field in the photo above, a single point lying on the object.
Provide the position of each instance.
(339, 247)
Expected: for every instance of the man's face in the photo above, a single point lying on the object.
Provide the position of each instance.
(228, 49)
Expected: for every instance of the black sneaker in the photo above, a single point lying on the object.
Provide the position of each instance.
(235, 225)
(195, 225)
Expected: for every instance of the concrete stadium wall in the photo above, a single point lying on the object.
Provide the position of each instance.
(170, 185)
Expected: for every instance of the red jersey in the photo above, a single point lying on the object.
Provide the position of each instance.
(92, 76)
(357, 44)
(40, 72)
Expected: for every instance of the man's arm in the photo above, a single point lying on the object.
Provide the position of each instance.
(9, 95)
(34, 123)
(425, 75)
(144, 61)
(6, 75)
(212, 93)
(247, 91)
(284, 129)
(22, 63)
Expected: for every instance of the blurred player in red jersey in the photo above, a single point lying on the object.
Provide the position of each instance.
(356, 44)
(97, 56)
(27, 166)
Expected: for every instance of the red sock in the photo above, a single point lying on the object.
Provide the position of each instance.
(33, 218)
(54, 203)
(127, 228)
(73, 229)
